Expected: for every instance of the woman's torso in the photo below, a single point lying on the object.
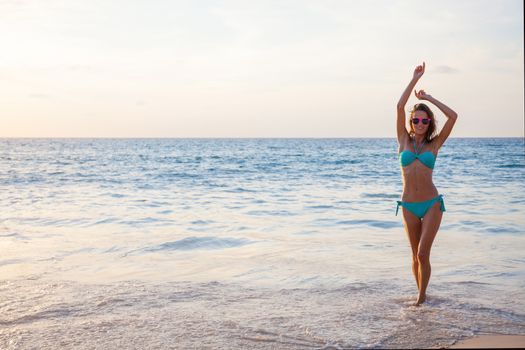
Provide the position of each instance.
(417, 177)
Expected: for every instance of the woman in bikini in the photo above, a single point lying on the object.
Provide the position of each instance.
(422, 205)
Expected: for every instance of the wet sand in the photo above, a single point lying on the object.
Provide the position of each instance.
(491, 341)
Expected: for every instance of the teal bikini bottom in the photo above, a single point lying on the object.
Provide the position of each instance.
(419, 209)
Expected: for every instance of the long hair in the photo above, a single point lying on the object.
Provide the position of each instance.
(432, 130)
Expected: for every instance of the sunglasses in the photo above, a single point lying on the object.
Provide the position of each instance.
(423, 120)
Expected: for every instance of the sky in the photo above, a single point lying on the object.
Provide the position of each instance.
(325, 68)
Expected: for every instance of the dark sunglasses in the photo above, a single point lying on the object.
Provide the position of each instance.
(423, 120)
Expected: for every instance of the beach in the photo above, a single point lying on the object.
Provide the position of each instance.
(252, 243)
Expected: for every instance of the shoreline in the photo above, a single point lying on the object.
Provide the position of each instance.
(486, 341)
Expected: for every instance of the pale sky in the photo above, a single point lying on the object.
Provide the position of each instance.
(137, 68)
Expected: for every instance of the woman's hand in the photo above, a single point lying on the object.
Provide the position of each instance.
(422, 95)
(418, 72)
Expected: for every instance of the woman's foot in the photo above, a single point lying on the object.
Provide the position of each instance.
(420, 300)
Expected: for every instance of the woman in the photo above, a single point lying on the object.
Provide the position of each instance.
(422, 205)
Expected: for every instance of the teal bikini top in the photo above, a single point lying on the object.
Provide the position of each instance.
(427, 158)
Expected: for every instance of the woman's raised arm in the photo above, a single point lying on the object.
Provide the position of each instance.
(449, 113)
(402, 132)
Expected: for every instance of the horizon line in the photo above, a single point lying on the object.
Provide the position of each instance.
(243, 137)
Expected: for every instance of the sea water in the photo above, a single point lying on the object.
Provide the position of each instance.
(252, 243)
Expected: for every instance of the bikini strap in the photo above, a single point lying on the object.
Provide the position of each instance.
(420, 147)
(398, 204)
(442, 203)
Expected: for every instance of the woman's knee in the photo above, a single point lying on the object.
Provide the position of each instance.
(423, 257)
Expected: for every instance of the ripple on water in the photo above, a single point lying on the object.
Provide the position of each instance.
(380, 195)
(12, 235)
(194, 243)
(371, 223)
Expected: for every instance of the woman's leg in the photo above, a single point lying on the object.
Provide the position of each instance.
(413, 229)
(429, 229)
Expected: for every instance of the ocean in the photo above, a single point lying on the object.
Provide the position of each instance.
(252, 244)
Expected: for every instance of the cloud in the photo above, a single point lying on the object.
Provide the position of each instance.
(446, 70)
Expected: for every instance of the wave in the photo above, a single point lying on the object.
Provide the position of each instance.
(511, 166)
(194, 243)
(372, 223)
